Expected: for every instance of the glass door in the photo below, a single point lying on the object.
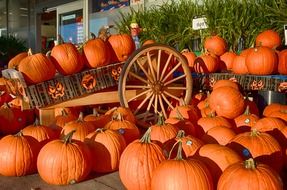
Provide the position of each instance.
(71, 22)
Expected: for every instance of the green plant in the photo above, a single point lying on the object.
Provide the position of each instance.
(10, 46)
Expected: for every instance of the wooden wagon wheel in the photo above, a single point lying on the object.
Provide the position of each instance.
(153, 80)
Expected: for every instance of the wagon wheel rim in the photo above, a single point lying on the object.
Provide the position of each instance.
(160, 77)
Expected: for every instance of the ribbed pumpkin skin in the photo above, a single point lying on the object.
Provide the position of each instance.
(97, 53)
(181, 174)
(282, 62)
(261, 61)
(106, 148)
(18, 155)
(262, 146)
(206, 63)
(227, 102)
(217, 158)
(239, 65)
(237, 176)
(61, 164)
(268, 124)
(14, 62)
(218, 135)
(163, 132)
(225, 82)
(36, 68)
(122, 47)
(216, 45)
(268, 38)
(67, 59)
(137, 163)
(207, 123)
(227, 60)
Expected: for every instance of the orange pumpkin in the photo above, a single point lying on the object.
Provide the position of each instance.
(141, 156)
(82, 128)
(14, 62)
(268, 38)
(239, 65)
(190, 57)
(249, 175)
(122, 46)
(215, 45)
(226, 61)
(36, 68)
(206, 63)
(99, 121)
(67, 59)
(282, 62)
(106, 148)
(273, 107)
(218, 135)
(63, 162)
(126, 113)
(245, 121)
(225, 82)
(227, 102)
(261, 61)
(97, 53)
(18, 155)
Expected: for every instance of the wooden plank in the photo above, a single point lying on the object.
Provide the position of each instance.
(47, 116)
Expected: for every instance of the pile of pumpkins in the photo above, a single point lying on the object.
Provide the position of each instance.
(217, 141)
(265, 58)
(67, 59)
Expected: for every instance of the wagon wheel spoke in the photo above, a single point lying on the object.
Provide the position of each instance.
(142, 103)
(165, 66)
(139, 95)
(144, 70)
(172, 71)
(167, 101)
(171, 95)
(155, 104)
(176, 88)
(137, 87)
(149, 106)
(158, 65)
(162, 107)
(174, 80)
(150, 66)
(138, 77)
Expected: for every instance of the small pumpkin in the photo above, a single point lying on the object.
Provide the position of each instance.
(14, 62)
(206, 63)
(226, 61)
(268, 38)
(245, 121)
(215, 45)
(98, 120)
(218, 135)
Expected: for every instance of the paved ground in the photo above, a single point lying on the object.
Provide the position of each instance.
(34, 182)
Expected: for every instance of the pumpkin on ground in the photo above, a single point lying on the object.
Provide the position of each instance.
(179, 173)
(106, 148)
(138, 162)
(63, 162)
(18, 155)
(67, 59)
(83, 128)
(218, 135)
(36, 68)
(99, 121)
(249, 175)
(245, 121)
(126, 113)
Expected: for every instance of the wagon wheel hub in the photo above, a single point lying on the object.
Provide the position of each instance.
(157, 87)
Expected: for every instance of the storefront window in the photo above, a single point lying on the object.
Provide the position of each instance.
(3, 18)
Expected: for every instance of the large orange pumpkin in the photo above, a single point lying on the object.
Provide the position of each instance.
(249, 175)
(18, 155)
(138, 162)
(106, 148)
(122, 46)
(36, 68)
(67, 59)
(206, 63)
(215, 45)
(261, 61)
(97, 53)
(268, 38)
(227, 102)
(225, 82)
(63, 162)
(179, 173)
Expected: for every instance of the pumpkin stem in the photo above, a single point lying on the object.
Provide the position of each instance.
(250, 164)
(180, 134)
(146, 137)
(254, 132)
(247, 110)
(68, 138)
(118, 116)
(185, 50)
(93, 35)
(179, 150)
(100, 130)
(64, 112)
(81, 117)
(30, 52)
(19, 134)
(36, 122)
(6, 105)
(95, 112)
(160, 120)
(179, 115)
